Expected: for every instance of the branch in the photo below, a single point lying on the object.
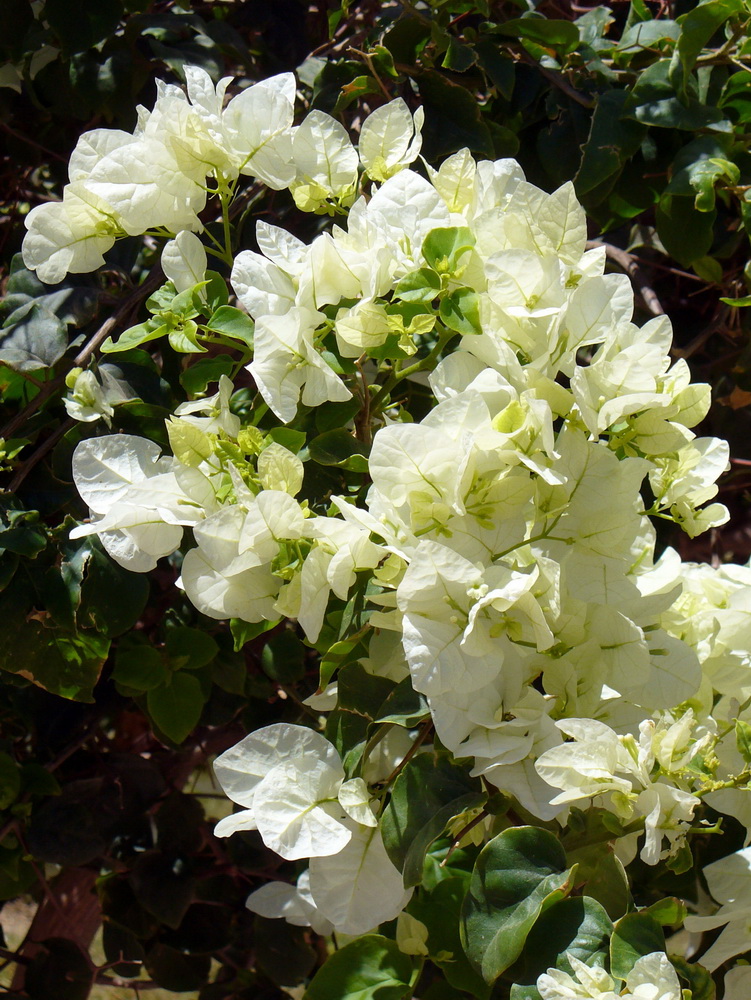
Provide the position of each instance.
(630, 265)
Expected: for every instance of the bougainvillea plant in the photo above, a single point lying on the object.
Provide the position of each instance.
(444, 473)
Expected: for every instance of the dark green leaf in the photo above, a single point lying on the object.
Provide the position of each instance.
(123, 949)
(64, 664)
(440, 910)
(497, 64)
(429, 792)
(634, 935)
(518, 874)
(685, 233)
(94, 21)
(59, 970)
(189, 648)
(112, 598)
(10, 780)
(203, 371)
(171, 969)
(362, 692)
(287, 958)
(452, 117)
(36, 340)
(697, 27)
(604, 877)
(403, 706)
(562, 36)
(283, 658)
(178, 824)
(338, 447)
(577, 927)
(612, 140)
(162, 886)
(244, 632)
(176, 706)
(370, 968)
(140, 667)
(653, 101)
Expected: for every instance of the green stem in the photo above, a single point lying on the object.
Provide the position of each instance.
(398, 376)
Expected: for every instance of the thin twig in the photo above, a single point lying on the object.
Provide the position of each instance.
(36, 456)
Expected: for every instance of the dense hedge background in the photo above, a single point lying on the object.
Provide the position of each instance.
(106, 797)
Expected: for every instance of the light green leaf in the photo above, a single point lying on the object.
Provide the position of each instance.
(232, 323)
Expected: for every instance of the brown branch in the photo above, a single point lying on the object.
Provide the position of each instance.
(628, 263)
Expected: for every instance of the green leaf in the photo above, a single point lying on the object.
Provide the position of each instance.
(612, 140)
(139, 667)
(709, 268)
(741, 303)
(189, 648)
(176, 706)
(61, 662)
(634, 935)
(685, 233)
(518, 874)
(287, 958)
(370, 968)
(36, 339)
(162, 886)
(422, 285)
(697, 27)
(21, 531)
(440, 910)
(283, 658)
(604, 877)
(561, 36)
(340, 448)
(244, 632)
(135, 336)
(204, 371)
(60, 969)
(453, 118)
(232, 323)
(362, 692)
(175, 971)
(669, 912)
(497, 64)
(184, 338)
(112, 598)
(429, 792)
(443, 248)
(404, 706)
(10, 780)
(699, 980)
(338, 654)
(578, 927)
(95, 21)
(653, 101)
(460, 311)
(743, 739)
